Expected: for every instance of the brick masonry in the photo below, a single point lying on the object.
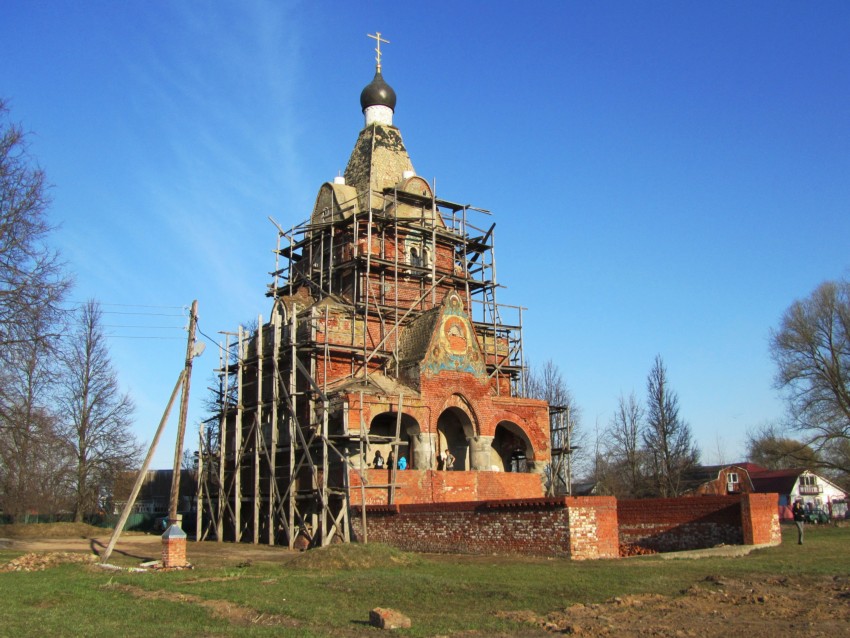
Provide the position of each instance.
(676, 524)
(431, 486)
(174, 552)
(579, 528)
(760, 519)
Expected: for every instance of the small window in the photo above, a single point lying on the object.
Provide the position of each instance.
(415, 259)
(732, 477)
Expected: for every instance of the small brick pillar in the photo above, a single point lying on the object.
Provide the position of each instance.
(174, 547)
(760, 519)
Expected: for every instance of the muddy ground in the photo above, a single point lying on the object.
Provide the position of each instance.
(715, 607)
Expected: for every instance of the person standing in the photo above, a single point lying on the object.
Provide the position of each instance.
(799, 519)
(378, 461)
(449, 461)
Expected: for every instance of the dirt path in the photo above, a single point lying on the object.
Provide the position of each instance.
(142, 548)
(717, 607)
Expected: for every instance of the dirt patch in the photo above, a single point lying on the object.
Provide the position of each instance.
(147, 547)
(220, 609)
(54, 530)
(36, 562)
(717, 607)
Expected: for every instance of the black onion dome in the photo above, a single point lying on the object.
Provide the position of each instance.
(377, 93)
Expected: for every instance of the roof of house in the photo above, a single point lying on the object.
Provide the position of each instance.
(779, 481)
(703, 474)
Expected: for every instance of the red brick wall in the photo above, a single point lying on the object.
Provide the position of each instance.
(578, 528)
(760, 519)
(675, 524)
(574, 527)
(430, 486)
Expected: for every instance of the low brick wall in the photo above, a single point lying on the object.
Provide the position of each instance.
(431, 486)
(673, 524)
(577, 527)
(676, 524)
(760, 519)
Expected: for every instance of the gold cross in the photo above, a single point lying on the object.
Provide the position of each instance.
(378, 39)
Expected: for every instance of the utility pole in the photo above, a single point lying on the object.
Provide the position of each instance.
(128, 506)
(191, 353)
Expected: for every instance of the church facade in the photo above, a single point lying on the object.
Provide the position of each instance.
(387, 372)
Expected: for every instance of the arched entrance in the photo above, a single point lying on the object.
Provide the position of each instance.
(513, 448)
(382, 431)
(454, 429)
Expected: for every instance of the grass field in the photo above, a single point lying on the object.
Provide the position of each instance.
(329, 592)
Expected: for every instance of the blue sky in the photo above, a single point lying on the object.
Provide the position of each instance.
(666, 177)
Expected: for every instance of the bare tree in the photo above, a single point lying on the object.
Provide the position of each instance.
(547, 382)
(666, 436)
(769, 447)
(33, 457)
(811, 349)
(32, 285)
(32, 276)
(99, 415)
(625, 457)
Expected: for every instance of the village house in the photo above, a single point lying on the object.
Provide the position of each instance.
(798, 484)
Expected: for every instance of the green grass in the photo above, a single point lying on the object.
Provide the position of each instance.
(330, 592)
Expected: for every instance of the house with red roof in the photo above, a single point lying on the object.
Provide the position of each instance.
(795, 484)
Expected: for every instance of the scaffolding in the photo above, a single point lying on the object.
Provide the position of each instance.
(561, 470)
(274, 462)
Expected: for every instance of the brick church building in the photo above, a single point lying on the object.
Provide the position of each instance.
(385, 342)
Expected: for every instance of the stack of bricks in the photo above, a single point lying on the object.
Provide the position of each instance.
(174, 547)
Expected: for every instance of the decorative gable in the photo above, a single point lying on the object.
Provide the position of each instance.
(453, 345)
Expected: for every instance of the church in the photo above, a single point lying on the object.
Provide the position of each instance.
(387, 373)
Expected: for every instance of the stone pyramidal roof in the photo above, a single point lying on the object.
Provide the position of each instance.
(379, 159)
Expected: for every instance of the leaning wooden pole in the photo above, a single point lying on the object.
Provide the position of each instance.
(184, 410)
(125, 514)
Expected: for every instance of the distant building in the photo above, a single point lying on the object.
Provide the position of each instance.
(800, 484)
(795, 484)
(719, 480)
(155, 492)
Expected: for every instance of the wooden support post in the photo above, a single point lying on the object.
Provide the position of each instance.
(259, 437)
(199, 503)
(239, 444)
(224, 370)
(274, 420)
(291, 416)
(363, 436)
(184, 411)
(395, 449)
(140, 479)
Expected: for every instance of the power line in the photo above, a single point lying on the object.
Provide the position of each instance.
(115, 325)
(151, 337)
(204, 334)
(144, 314)
(131, 305)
